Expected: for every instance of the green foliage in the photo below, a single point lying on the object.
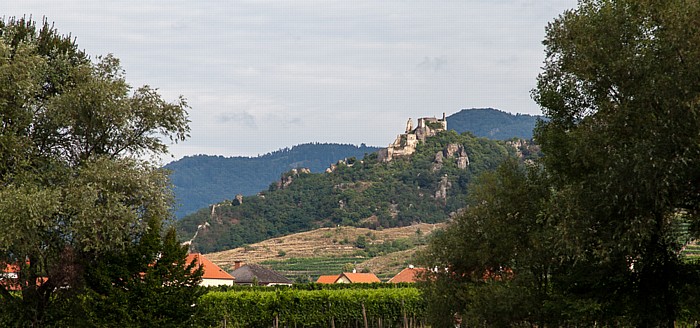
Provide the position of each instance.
(500, 254)
(368, 193)
(312, 308)
(620, 86)
(594, 236)
(203, 179)
(149, 284)
(361, 242)
(310, 286)
(73, 187)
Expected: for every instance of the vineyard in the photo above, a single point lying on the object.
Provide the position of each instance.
(300, 268)
(692, 251)
(338, 308)
(325, 251)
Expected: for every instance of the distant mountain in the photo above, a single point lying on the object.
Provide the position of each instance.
(203, 179)
(493, 124)
(426, 187)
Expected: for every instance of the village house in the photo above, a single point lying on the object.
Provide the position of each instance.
(327, 279)
(409, 275)
(256, 275)
(213, 274)
(356, 278)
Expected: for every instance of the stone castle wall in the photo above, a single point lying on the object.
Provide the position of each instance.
(405, 143)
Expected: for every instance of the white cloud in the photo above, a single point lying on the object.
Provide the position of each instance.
(262, 75)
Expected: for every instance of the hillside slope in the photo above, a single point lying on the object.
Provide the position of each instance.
(493, 124)
(326, 250)
(203, 180)
(425, 187)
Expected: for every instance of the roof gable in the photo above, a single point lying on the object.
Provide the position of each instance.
(211, 270)
(249, 273)
(327, 279)
(408, 275)
(360, 277)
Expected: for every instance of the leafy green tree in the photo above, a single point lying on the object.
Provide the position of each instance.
(499, 255)
(596, 241)
(74, 187)
(621, 86)
(149, 284)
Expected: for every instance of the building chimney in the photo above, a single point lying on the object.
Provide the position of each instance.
(237, 264)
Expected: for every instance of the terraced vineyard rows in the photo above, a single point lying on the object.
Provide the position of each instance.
(300, 269)
(326, 250)
(692, 251)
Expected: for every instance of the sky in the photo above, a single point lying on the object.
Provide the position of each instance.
(260, 75)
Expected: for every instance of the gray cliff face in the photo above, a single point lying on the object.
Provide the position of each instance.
(443, 187)
(437, 162)
(456, 151)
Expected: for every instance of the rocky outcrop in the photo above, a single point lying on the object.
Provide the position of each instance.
(525, 150)
(456, 151)
(437, 162)
(288, 178)
(443, 187)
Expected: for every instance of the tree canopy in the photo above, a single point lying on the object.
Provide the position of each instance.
(74, 185)
(620, 91)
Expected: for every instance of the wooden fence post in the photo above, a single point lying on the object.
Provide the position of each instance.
(403, 312)
(332, 319)
(364, 315)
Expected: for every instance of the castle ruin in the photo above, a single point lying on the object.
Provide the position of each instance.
(405, 143)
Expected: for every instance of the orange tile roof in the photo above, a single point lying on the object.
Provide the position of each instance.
(361, 277)
(211, 270)
(327, 279)
(408, 275)
(10, 268)
(11, 282)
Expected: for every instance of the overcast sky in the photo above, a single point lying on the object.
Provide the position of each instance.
(262, 75)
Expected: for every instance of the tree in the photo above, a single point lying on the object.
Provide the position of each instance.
(621, 89)
(592, 235)
(149, 284)
(74, 187)
(498, 256)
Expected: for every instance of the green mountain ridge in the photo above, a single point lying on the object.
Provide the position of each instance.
(365, 193)
(205, 179)
(202, 180)
(493, 123)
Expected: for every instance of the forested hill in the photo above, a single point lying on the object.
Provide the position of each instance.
(202, 180)
(492, 123)
(425, 187)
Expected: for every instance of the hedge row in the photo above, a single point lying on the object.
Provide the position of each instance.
(312, 286)
(396, 307)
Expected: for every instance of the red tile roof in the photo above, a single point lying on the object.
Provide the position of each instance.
(211, 270)
(8, 278)
(327, 279)
(360, 277)
(408, 275)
